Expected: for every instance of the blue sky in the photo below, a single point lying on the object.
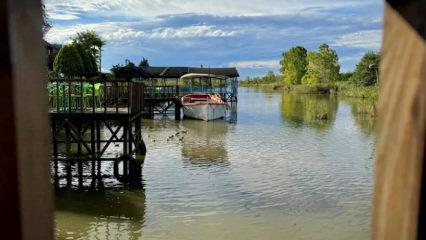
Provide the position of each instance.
(250, 35)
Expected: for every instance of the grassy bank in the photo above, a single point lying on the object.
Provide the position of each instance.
(343, 89)
(368, 95)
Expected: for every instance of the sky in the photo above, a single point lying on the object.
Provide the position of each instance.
(248, 34)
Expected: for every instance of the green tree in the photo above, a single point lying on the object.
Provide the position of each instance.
(366, 71)
(129, 63)
(269, 77)
(68, 62)
(93, 43)
(89, 67)
(293, 65)
(115, 68)
(323, 66)
(144, 63)
(345, 76)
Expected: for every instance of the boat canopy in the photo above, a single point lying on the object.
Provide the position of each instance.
(203, 75)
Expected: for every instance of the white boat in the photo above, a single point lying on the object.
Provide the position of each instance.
(203, 106)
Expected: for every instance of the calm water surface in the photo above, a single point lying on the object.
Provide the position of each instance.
(277, 173)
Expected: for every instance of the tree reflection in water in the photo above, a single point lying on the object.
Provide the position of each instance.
(307, 110)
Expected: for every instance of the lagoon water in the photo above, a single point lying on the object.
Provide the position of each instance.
(278, 172)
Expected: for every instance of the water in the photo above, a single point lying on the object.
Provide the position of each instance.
(277, 173)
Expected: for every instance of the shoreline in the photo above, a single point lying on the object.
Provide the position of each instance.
(340, 89)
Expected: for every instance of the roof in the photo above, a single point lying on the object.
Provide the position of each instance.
(131, 72)
(177, 72)
(203, 75)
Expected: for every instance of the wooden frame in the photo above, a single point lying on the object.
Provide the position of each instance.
(402, 123)
(400, 190)
(25, 189)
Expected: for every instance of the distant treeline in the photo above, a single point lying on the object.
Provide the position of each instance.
(300, 67)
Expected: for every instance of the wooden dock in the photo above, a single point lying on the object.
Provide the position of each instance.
(91, 117)
(88, 117)
(164, 88)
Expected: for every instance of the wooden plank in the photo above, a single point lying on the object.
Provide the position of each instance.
(9, 194)
(26, 200)
(401, 131)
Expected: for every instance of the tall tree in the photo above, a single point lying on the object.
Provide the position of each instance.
(129, 63)
(144, 63)
(93, 42)
(366, 71)
(89, 67)
(68, 62)
(323, 66)
(293, 65)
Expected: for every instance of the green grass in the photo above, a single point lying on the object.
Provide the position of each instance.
(340, 88)
(348, 90)
(266, 86)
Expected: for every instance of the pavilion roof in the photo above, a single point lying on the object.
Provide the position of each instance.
(177, 72)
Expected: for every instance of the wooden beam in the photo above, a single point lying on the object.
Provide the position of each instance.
(25, 195)
(402, 126)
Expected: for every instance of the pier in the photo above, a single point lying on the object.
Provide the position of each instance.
(87, 118)
(164, 86)
(90, 118)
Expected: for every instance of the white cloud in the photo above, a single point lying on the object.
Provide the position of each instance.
(62, 16)
(268, 64)
(124, 31)
(149, 8)
(369, 39)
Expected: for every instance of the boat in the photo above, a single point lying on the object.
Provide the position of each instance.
(201, 102)
(203, 106)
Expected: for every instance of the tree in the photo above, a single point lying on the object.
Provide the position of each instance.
(68, 62)
(345, 76)
(129, 63)
(294, 65)
(144, 63)
(366, 70)
(89, 67)
(93, 43)
(269, 77)
(323, 66)
(115, 68)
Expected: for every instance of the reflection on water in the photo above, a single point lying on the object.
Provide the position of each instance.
(280, 172)
(363, 111)
(303, 109)
(204, 142)
(108, 214)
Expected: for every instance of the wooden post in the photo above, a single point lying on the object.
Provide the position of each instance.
(68, 155)
(25, 191)
(55, 153)
(177, 109)
(401, 124)
(93, 149)
(125, 151)
(98, 149)
(80, 162)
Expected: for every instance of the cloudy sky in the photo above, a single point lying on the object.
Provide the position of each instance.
(247, 34)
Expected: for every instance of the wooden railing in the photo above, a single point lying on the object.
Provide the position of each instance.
(165, 92)
(95, 96)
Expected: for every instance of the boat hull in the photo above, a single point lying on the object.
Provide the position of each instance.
(206, 112)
